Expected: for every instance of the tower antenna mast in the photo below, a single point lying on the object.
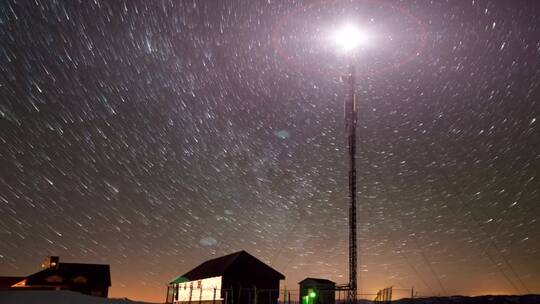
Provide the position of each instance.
(351, 121)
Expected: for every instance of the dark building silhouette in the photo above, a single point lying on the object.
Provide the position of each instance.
(235, 278)
(90, 279)
(317, 291)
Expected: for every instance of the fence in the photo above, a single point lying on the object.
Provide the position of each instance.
(272, 296)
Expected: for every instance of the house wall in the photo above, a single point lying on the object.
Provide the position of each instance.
(198, 290)
(242, 287)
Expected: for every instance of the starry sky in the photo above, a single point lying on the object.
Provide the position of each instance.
(153, 135)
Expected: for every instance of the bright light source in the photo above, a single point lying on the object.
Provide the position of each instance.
(349, 38)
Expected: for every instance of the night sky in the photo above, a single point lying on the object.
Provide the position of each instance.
(153, 135)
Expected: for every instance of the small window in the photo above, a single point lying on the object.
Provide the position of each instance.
(54, 279)
(80, 280)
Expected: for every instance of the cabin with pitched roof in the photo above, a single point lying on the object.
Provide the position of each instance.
(90, 279)
(235, 278)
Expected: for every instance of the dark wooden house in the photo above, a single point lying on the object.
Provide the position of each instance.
(90, 279)
(235, 278)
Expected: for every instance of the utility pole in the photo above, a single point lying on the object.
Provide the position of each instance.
(351, 121)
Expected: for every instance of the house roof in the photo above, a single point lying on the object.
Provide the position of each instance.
(218, 266)
(317, 280)
(72, 273)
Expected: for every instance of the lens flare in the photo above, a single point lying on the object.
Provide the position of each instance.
(349, 38)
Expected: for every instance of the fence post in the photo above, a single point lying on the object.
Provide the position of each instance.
(289, 297)
(168, 294)
(254, 294)
(200, 295)
(214, 298)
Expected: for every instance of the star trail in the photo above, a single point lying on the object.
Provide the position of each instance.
(154, 135)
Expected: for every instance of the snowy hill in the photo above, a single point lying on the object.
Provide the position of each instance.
(55, 297)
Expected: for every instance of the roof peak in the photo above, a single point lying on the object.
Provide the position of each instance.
(90, 264)
(317, 279)
(219, 265)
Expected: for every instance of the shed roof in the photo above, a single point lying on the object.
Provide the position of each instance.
(218, 266)
(72, 273)
(318, 280)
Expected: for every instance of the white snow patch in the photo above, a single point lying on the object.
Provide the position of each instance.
(55, 297)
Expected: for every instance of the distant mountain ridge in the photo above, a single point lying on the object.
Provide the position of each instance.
(487, 299)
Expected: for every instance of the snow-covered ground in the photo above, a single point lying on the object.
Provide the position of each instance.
(54, 297)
